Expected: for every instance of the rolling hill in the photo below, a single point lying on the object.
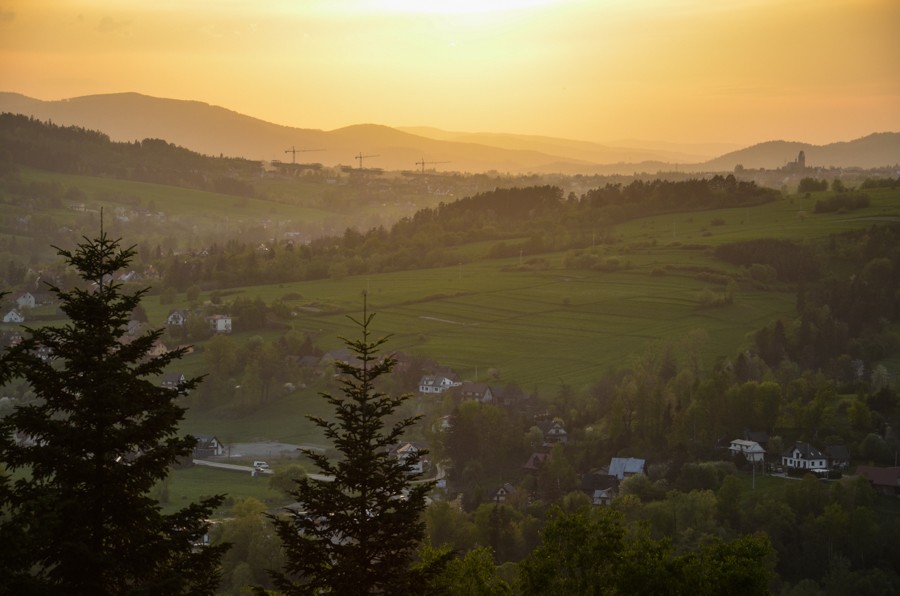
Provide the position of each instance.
(215, 130)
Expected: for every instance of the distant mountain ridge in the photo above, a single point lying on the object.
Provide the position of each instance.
(872, 151)
(213, 130)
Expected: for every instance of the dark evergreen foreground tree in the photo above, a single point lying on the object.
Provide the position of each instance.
(100, 433)
(359, 533)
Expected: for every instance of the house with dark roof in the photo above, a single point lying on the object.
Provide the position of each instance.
(208, 446)
(504, 492)
(600, 487)
(757, 436)
(474, 391)
(838, 456)
(885, 481)
(536, 461)
(172, 380)
(803, 456)
(553, 431)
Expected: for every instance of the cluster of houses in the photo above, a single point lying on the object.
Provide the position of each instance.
(18, 305)
(218, 323)
(801, 456)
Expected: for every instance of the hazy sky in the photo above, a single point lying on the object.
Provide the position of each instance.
(739, 71)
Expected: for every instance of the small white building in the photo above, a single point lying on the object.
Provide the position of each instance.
(220, 323)
(25, 300)
(13, 316)
(752, 451)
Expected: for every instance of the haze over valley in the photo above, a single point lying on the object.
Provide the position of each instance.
(504, 298)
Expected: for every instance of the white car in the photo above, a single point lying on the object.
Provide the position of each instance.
(260, 465)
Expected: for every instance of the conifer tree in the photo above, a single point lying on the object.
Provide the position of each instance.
(100, 433)
(357, 534)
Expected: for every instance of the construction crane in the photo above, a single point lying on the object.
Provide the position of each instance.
(294, 151)
(423, 163)
(361, 157)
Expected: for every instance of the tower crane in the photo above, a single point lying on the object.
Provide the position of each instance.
(423, 163)
(361, 157)
(294, 151)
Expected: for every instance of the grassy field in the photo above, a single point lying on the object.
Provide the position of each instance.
(178, 202)
(551, 326)
(538, 328)
(187, 485)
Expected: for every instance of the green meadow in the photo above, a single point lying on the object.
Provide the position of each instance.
(513, 321)
(188, 485)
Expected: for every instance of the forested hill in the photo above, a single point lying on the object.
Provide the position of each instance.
(74, 150)
(521, 221)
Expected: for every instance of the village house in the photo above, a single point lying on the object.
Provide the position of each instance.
(474, 391)
(13, 316)
(157, 349)
(504, 492)
(340, 355)
(407, 451)
(600, 486)
(838, 457)
(219, 323)
(208, 446)
(172, 380)
(553, 431)
(751, 450)
(25, 300)
(625, 467)
(431, 384)
(537, 460)
(177, 318)
(804, 456)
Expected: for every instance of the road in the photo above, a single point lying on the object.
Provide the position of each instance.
(245, 469)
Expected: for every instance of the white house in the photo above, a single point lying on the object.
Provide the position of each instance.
(13, 316)
(25, 300)
(753, 451)
(177, 318)
(220, 323)
(208, 446)
(805, 457)
(407, 451)
(436, 384)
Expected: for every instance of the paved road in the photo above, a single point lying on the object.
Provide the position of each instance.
(224, 466)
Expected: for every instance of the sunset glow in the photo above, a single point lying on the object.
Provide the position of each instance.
(740, 71)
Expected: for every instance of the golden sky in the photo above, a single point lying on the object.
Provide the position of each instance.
(736, 71)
